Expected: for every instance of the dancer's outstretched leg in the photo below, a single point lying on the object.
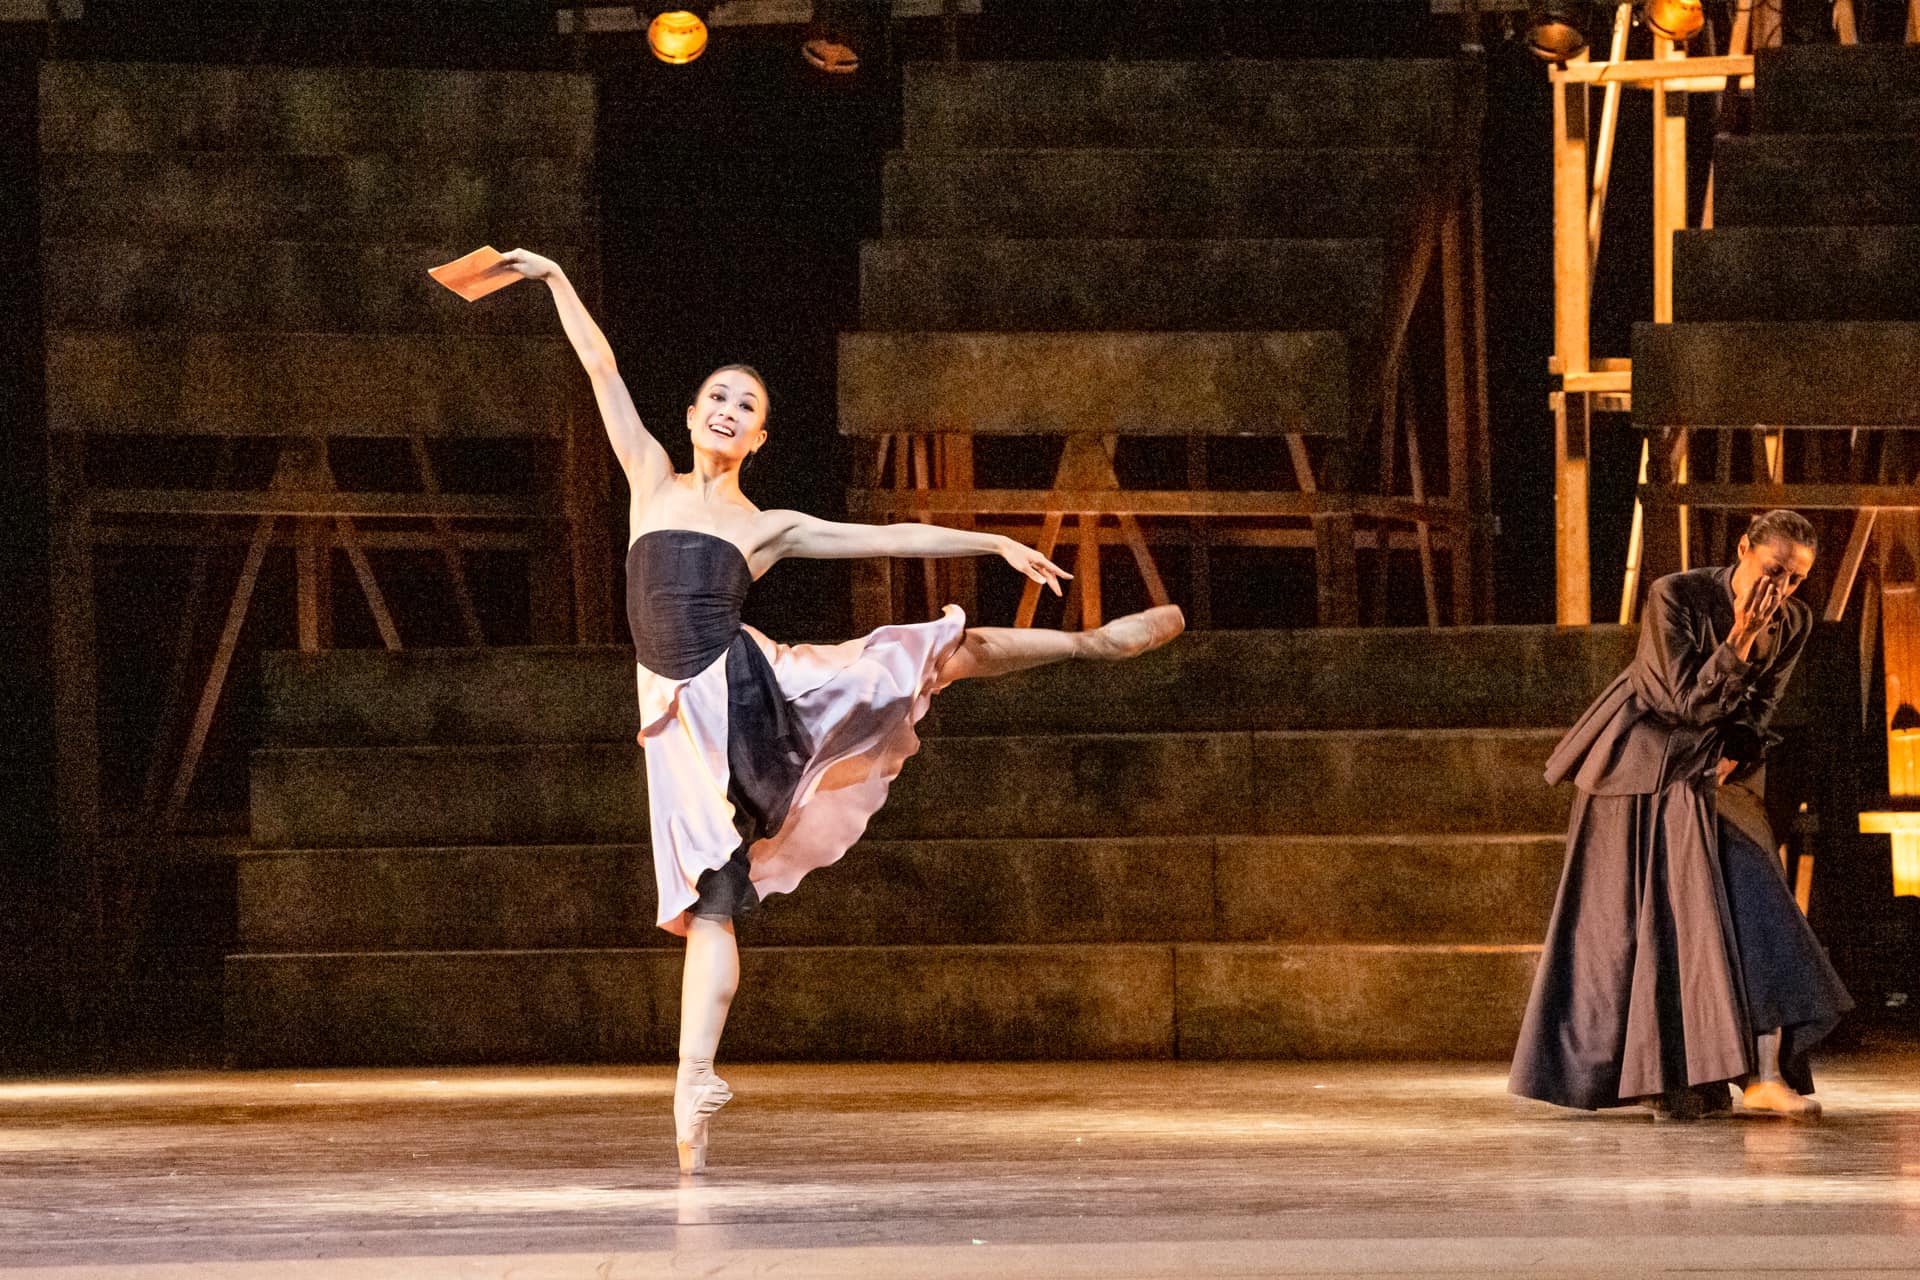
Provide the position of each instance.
(707, 982)
(996, 651)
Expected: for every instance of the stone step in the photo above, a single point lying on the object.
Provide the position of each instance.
(1371, 678)
(224, 196)
(1381, 782)
(1420, 888)
(1249, 383)
(889, 1003)
(1797, 273)
(1809, 88)
(1040, 285)
(1227, 103)
(276, 286)
(1795, 180)
(308, 383)
(1413, 1002)
(1808, 374)
(1361, 192)
(119, 107)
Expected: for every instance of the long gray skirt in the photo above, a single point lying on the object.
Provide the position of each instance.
(1674, 941)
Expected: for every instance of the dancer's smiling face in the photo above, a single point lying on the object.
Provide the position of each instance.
(728, 415)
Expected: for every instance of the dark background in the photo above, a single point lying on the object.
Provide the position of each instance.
(734, 195)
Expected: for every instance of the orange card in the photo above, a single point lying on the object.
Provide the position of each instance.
(476, 275)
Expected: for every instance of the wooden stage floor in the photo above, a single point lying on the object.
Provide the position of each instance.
(936, 1172)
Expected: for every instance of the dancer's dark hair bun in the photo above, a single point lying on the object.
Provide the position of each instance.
(1779, 525)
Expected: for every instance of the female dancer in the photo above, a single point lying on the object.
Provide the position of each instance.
(1677, 960)
(764, 760)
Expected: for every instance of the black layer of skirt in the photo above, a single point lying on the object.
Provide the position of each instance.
(1790, 983)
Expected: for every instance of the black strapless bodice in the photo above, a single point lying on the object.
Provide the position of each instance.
(685, 591)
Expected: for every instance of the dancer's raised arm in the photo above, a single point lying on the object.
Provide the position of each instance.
(641, 457)
(809, 538)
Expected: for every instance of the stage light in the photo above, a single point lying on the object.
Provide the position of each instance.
(825, 54)
(1556, 29)
(677, 36)
(839, 30)
(1677, 20)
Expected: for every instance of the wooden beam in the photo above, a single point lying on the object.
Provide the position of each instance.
(1480, 541)
(1423, 534)
(1814, 497)
(1598, 380)
(1850, 561)
(1603, 159)
(956, 476)
(1143, 560)
(1390, 431)
(1573, 606)
(216, 681)
(1269, 536)
(449, 547)
(1645, 72)
(256, 502)
(870, 504)
(173, 702)
(922, 483)
(1302, 464)
(1454, 345)
(369, 585)
(312, 578)
(1199, 558)
(1086, 566)
(1045, 544)
(1669, 180)
(75, 643)
(127, 535)
(1636, 546)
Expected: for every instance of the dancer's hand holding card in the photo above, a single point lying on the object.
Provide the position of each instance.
(481, 272)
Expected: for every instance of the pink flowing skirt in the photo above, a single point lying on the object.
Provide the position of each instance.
(859, 702)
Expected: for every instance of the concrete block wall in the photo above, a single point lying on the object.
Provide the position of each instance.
(1248, 844)
(1237, 219)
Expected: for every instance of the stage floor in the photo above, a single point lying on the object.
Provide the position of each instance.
(1046, 1170)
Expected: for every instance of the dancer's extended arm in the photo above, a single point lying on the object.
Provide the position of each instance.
(809, 538)
(641, 457)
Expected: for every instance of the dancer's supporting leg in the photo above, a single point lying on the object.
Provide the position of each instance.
(997, 651)
(707, 983)
(1767, 1090)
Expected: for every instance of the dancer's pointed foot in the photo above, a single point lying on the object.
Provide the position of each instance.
(697, 1095)
(1778, 1098)
(1136, 633)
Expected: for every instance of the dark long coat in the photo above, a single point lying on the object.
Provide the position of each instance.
(1640, 987)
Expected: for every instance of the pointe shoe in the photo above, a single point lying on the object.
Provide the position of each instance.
(1137, 633)
(693, 1106)
(1776, 1097)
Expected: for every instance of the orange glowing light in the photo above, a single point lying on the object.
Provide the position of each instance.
(1677, 20)
(1900, 643)
(677, 37)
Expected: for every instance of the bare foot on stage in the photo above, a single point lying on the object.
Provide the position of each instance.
(1136, 633)
(1776, 1097)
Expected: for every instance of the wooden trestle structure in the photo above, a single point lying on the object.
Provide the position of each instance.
(1689, 507)
(929, 385)
(248, 372)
